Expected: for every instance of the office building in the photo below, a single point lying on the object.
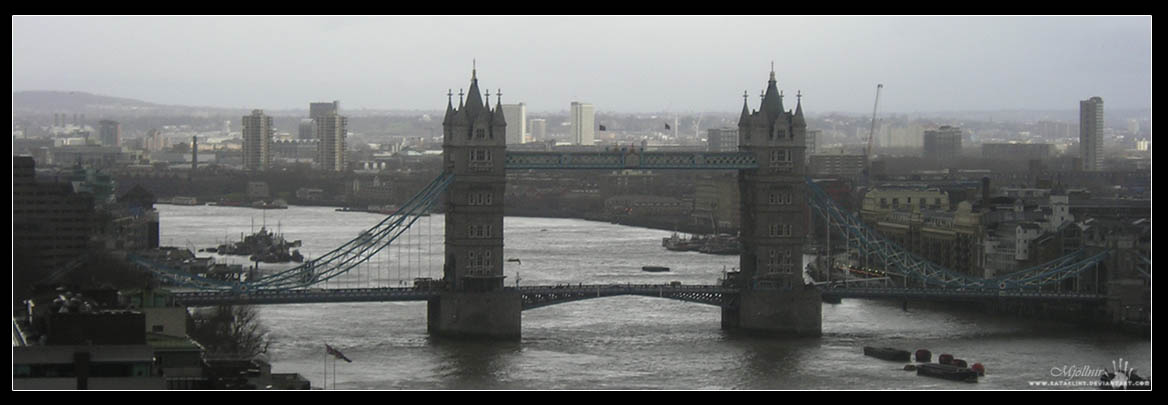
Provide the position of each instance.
(257, 140)
(516, 114)
(583, 123)
(722, 139)
(837, 164)
(1091, 133)
(812, 140)
(109, 133)
(331, 150)
(942, 144)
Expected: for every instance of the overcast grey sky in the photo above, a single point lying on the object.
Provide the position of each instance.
(617, 63)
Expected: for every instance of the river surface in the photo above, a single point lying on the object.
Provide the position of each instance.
(622, 342)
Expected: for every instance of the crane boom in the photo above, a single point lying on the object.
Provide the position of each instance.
(872, 130)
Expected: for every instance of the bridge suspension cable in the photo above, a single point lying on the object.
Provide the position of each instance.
(331, 265)
(909, 265)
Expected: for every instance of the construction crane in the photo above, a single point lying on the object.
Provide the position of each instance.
(871, 133)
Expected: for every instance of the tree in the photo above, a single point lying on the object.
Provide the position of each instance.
(233, 330)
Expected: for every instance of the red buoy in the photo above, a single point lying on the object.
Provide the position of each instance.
(945, 358)
(924, 356)
(980, 369)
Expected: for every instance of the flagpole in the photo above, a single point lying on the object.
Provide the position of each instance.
(326, 355)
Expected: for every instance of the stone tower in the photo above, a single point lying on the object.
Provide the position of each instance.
(474, 148)
(774, 296)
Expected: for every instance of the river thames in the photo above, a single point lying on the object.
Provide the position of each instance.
(623, 342)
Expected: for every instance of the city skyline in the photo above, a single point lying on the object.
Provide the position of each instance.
(618, 63)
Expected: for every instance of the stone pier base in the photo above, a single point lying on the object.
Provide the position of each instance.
(486, 315)
(796, 312)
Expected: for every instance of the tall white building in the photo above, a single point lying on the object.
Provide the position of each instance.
(516, 117)
(538, 130)
(583, 123)
(257, 140)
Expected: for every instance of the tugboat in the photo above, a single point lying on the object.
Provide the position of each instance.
(887, 353)
(677, 244)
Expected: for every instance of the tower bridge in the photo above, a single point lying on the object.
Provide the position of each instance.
(768, 294)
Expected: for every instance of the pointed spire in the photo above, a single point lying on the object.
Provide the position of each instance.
(499, 119)
(772, 100)
(449, 107)
(474, 99)
(798, 120)
(745, 107)
(460, 98)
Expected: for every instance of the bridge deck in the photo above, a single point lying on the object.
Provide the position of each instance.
(540, 296)
(695, 160)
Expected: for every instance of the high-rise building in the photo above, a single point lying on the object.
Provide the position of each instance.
(331, 149)
(1091, 133)
(321, 110)
(517, 115)
(109, 133)
(538, 130)
(722, 139)
(257, 140)
(316, 110)
(583, 123)
(942, 144)
(306, 130)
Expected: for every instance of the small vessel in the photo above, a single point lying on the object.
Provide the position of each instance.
(887, 353)
(947, 371)
(654, 269)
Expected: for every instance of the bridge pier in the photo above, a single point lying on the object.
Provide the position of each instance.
(794, 312)
(482, 315)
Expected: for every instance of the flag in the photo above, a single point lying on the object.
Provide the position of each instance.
(336, 353)
(602, 127)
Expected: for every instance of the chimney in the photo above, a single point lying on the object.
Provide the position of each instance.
(194, 154)
(985, 192)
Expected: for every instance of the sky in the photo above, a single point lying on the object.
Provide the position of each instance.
(620, 64)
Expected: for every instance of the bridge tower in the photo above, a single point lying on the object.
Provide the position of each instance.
(773, 297)
(475, 304)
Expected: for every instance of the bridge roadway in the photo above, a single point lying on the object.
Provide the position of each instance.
(541, 296)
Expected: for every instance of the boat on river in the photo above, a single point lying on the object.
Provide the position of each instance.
(887, 353)
(947, 371)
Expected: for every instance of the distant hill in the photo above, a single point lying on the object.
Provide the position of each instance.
(69, 101)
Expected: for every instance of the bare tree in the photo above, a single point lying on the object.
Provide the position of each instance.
(233, 330)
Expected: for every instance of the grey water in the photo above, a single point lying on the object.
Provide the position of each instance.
(622, 343)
